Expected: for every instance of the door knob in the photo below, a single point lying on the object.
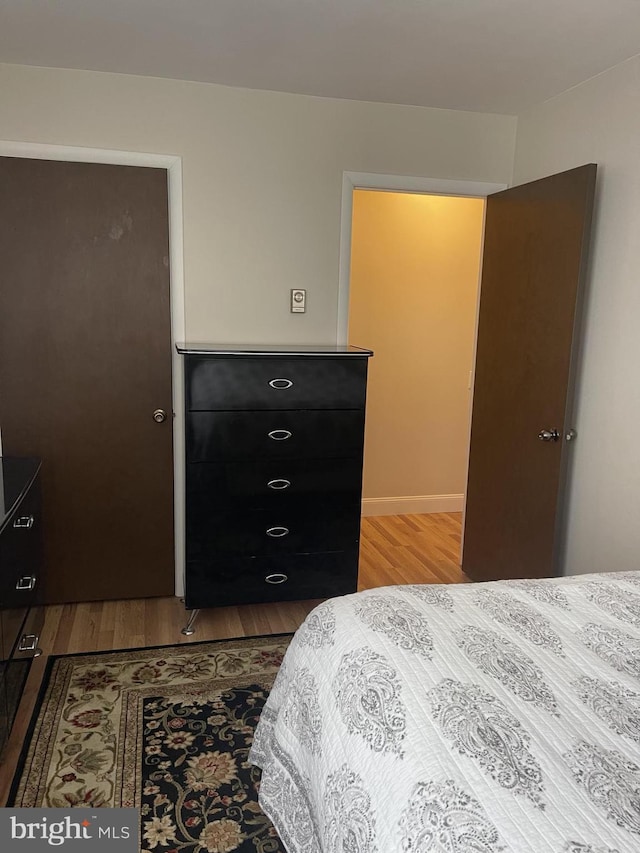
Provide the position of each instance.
(548, 435)
(159, 416)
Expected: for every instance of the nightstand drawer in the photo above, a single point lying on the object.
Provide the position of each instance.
(277, 483)
(218, 436)
(272, 531)
(275, 383)
(245, 580)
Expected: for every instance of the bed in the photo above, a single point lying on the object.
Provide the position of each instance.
(470, 718)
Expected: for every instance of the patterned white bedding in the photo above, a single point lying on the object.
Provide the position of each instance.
(472, 718)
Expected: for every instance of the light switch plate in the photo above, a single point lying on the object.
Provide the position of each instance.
(298, 301)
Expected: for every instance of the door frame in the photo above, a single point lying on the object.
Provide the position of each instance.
(406, 184)
(173, 165)
(391, 183)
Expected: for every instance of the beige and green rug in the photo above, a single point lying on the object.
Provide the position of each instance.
(166, 730)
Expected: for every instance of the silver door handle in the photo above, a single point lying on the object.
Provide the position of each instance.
(548, 435)
(280, 383)
(280, 434)
(24, 522)
(26, 582)
(159, 416)
(279, 484)
(277, 532)
(276, 577)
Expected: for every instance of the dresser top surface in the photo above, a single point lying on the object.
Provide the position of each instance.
(271, 349)
(16, 475)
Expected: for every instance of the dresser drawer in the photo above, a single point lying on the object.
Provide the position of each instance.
(25, 628)
(12, 620)
(275, 383)
(272, 531)
(20, 569)
(218, 436)
(20, 552)
(246, 580)
(277, 483)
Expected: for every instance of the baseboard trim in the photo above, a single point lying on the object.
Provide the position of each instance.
(412, 504)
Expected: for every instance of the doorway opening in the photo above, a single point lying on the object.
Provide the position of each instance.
(413, 289)
(535, 251)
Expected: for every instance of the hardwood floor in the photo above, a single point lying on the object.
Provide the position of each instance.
(394, 549)
(410, 549)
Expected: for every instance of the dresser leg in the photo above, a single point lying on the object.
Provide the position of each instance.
(188, 628)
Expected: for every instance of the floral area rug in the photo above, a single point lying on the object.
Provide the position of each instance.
(166, 730)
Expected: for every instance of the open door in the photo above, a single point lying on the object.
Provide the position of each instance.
(536, 246)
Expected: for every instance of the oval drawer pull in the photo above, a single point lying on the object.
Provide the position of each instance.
(279, 484)
(26, 582)
(24, 521)
(277, 532)
(280, 384)
(276, 577)
(280, 434)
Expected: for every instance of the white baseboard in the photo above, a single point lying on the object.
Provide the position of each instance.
(412, 504)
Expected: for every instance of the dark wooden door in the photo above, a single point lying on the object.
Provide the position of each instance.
(536, 244)
(85, 359)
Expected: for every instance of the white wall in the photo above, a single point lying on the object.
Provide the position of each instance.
(599, 121)
(262, 178)
(415, 263)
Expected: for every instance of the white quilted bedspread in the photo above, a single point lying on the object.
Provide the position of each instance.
(472, 718)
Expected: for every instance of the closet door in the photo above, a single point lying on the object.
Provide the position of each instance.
(85, 361)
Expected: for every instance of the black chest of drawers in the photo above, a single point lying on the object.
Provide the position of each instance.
(20, 567)
(274, 441)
